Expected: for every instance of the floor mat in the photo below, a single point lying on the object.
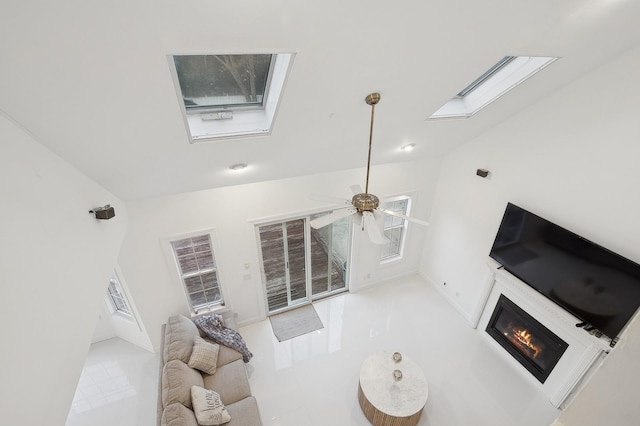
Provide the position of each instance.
(295, 322)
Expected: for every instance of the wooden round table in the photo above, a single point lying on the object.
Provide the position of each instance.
(386, 401)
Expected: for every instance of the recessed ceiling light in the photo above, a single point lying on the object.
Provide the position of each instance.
(408, 147)
(238, 167)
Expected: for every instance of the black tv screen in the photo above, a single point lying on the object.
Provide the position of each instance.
(596, 285)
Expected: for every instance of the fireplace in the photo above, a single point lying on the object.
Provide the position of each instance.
(527, 340)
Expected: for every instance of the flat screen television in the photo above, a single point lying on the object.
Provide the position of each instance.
(599, 287)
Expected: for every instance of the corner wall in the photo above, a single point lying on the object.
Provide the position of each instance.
(571, 158)
(56, 259)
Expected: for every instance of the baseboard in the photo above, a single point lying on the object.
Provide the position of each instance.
(373, 283)
(249, 321)
(449, 299)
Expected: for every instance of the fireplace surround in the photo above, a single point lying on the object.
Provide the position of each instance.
(577, 362)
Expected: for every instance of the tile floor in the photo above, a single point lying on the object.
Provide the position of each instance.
(312, 380)
(118, 386)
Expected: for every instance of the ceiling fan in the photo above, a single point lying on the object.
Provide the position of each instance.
(362, 204)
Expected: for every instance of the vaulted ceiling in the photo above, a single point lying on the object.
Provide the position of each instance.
(91, 81)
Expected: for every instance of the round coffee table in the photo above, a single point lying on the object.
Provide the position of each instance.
(392, 401)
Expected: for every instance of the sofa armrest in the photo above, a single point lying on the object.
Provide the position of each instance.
(160, 408)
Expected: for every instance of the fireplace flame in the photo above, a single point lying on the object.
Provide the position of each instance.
(521, 337)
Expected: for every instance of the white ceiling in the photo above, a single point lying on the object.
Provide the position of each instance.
(90, 79)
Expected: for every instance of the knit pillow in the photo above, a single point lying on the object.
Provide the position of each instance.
(204, 356)
(208, 407)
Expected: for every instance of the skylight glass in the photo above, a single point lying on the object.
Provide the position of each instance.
(223, 81)
(506, 74)
(225, 96)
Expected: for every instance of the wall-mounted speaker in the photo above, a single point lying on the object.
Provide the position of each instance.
(103, 213)
(482, 173)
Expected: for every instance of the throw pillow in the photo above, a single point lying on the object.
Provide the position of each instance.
(208, 407)
(204, 356)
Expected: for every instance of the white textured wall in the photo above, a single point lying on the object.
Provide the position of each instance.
(573, 159)
(55, 263)
(232, 211)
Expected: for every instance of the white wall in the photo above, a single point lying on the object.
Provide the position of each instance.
(56, 259)
(103, 329)
(233, 212)
(573, 159)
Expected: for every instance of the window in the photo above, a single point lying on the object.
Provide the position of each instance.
(505, 75)
(117, 297)
(198, 272)
(223, 81)
(394, 228)
(229, 95)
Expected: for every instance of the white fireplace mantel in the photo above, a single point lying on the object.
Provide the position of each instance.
(580, 358)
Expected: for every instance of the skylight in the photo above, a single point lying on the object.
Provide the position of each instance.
(506, 74)
(229, 95)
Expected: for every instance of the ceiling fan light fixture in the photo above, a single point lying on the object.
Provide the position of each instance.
(364, 205)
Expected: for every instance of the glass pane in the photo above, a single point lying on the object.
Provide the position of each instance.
(222, 80)
(329, 247)
(193, 284)
(205, 260)
(188, 264)
(212, 295)
(297, 261)
(198, 299)
(340, 253)
(320, 247)
(272, 244)
(210, 281)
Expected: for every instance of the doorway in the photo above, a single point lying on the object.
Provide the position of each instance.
(300, 264)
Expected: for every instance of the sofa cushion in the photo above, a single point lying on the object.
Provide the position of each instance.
(177, 379)
(208, 407)
(179, 334)
(230, 381)
(204, 356)
(244, 413)
(178, 415)
(227, 355)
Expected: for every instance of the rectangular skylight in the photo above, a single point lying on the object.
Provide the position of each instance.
(223, 81)
(225, 96)
(509, 72)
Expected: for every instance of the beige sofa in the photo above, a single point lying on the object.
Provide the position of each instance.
(176, 378)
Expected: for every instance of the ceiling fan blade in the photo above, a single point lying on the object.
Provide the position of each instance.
(371, 226)
(332, 217)
(356, 189)
(329, 199)
(410, 219)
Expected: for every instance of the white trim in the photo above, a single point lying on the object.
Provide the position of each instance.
(171, 259)
(500, 83)
(245, 122)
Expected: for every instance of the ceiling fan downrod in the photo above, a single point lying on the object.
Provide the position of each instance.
(366, 202)
(371, 99)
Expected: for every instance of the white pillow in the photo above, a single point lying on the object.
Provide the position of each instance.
(208, 407)
(204, 356)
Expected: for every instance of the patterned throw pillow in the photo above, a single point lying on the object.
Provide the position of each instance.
(208, 407)
(204, 356)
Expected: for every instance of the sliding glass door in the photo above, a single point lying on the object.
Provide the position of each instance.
(329, 254)
(283, 263)
(300, 263)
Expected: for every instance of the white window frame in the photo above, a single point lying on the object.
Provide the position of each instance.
(113, 308)
(179, 278)
(403, 225)
(245, 121)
